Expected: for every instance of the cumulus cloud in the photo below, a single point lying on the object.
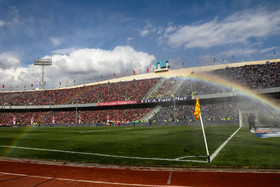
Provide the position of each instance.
(12, 72)
(79, 65)
(237, 28)
(8, 60)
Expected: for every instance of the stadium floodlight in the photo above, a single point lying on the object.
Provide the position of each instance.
(43, 63)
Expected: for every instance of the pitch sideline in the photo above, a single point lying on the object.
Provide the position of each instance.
(180, 159)
(102, 155)
(223, 145)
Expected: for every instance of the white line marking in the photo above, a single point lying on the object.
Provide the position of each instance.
(180, 158)
(222, 146)
(169, 178)
(87, 181)
(102, 155)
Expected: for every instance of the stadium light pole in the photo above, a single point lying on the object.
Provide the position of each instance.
(43, 63)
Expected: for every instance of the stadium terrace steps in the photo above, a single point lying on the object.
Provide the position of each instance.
(73, 97)
(158, 85)
(177, 88)
(151, 114)
(70, 96)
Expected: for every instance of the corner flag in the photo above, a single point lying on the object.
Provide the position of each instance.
(197, 109)
(197, 115)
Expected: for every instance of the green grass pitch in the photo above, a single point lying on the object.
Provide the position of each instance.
(148, 146)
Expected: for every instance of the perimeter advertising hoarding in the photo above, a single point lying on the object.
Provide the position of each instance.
(119, 103)
(169, 99)
(159, 100)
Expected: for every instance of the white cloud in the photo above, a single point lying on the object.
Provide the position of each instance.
(76, 64)
(97, 60)
(82, 64)
(12, 71)
(63, 51)
(149, 28)
(144, 32)
(237, 28)
(56, 41)
(8, 61)
(268, 50)
(170, 29)
(1, 23)
(129, 39)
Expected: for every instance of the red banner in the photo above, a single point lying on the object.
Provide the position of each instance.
(119, 103)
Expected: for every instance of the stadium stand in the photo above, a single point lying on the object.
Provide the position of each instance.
(70, 117)
(211, 112)
(167, 89)
(255, 76)
(196, 87)
(121, 91)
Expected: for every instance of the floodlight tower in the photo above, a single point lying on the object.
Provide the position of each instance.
(43, 63)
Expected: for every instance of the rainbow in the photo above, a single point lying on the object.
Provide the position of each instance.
(17, 140)
(222, 82)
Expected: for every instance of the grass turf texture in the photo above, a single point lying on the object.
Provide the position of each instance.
(245, 149)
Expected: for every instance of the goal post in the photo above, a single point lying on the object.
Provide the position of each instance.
(243, 117)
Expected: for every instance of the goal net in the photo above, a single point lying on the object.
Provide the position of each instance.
(244, 116)
(263, 120)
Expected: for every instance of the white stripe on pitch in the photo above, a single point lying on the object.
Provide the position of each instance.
(222, 146)
(101, 155)
(180, 158)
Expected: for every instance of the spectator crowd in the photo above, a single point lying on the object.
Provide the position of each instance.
(72, 117)
(211, 112)
(120, 91)
(252, 76)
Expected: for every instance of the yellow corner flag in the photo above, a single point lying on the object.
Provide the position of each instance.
(197, 110)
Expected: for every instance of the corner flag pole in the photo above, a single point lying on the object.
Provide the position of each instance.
(197, 115)
(204, 137)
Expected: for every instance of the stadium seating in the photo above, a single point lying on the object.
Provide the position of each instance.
(121, 91)
(211, 112)
(69, 117)
(252, 76)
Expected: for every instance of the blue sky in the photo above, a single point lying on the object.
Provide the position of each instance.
(88, 38)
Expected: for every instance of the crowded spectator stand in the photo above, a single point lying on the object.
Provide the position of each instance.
(255, 76)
